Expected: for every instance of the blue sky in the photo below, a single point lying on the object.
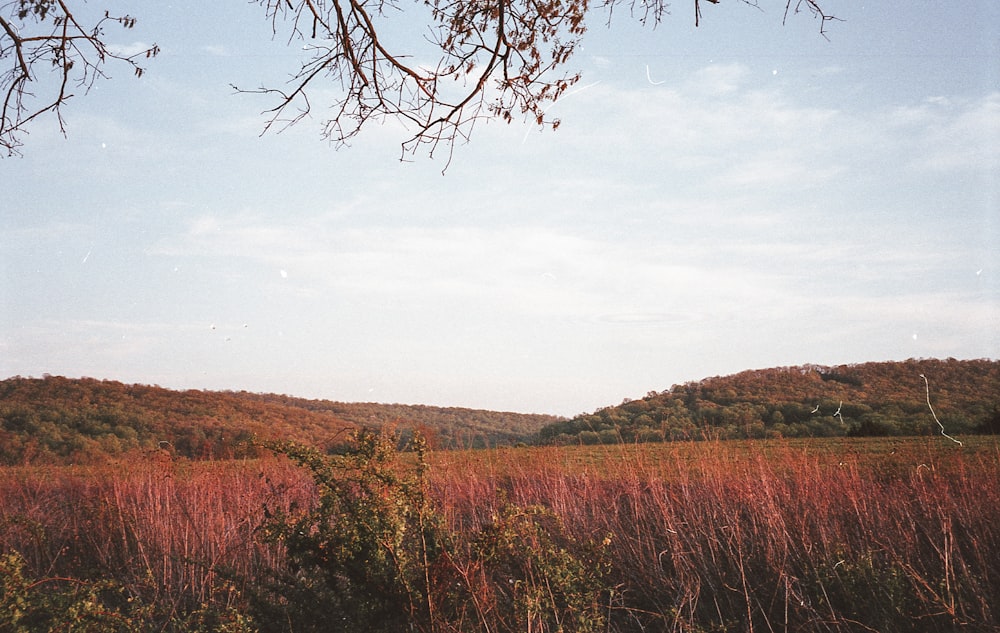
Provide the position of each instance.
(741, 195)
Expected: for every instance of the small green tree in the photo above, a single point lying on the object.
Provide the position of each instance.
(374, 553)
(359, 559)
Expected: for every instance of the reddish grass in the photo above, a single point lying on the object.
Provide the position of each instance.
(164, 529)
(825, 535)
(806, 535)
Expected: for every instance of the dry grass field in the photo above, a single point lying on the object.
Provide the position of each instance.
(778, 535)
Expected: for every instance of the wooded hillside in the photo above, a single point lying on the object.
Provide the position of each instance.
(62, 419)
(888, 398)
(448, 427)
(79, 420)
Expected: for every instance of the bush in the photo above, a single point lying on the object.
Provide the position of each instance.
(373, 554)
(56, 604)
(64, 605)
(538, 577)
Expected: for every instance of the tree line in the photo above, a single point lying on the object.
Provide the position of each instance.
(58, 419)
(870, 399)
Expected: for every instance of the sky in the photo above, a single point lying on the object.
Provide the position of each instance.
(740, 195)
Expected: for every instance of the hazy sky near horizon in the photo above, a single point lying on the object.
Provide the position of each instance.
(741, 195)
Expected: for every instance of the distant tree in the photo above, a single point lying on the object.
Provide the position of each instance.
(876, 399)
(505, 59)
(991, 425)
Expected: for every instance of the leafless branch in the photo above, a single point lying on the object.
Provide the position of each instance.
(813, 7)
(479, 59)
(495, 59)
(46, 34)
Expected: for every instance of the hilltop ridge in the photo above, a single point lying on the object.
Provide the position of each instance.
(84, 419)
(879, 398)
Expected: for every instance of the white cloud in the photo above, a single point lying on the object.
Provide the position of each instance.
(216, 50)
(948, 134)
(718, 80)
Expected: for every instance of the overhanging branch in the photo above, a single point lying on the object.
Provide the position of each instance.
(48, 33)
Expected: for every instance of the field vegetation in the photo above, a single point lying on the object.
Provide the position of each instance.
(792, 499)
(837, 534)
(77, 421)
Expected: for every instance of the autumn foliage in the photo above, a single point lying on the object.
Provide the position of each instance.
(869, 399)
(62, 420)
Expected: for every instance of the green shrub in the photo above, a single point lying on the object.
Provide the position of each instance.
(57, 604)
(73, 605)
(373, 553)
(358, 559)
(869, 591)
(540, 578)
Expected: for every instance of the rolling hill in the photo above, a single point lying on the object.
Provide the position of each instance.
(887, 398)
(65, 419)
(56, 419)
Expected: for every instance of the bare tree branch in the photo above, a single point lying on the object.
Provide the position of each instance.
(38, 35)
(813, 7)
(478, 59)
(494, 59)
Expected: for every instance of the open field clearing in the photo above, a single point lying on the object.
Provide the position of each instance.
(791, 535)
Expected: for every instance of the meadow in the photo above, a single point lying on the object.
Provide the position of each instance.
(842, 534)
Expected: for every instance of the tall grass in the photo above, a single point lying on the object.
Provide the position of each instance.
(174, 534)
(832, 535)
(773, 536)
